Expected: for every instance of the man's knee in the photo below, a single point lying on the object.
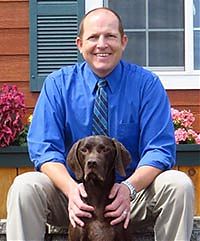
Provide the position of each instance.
(177, 183)
(27, 185)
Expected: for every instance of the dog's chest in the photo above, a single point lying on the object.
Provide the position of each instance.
(100, 231)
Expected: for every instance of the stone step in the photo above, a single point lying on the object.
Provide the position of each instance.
(60, 234)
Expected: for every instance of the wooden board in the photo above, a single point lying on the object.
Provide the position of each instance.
(14, 41)
(194, 173)
(14, 69)
(7, 176)
(14, 14)
(25, 169)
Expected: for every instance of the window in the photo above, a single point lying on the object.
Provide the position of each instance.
(156, 29)
(196, 29)
(163, 36)
(53, 29)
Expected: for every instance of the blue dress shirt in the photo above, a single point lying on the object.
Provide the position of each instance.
(138, 113)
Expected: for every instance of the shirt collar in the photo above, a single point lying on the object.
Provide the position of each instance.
(113, 78)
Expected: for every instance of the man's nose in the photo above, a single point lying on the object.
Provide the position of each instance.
(102, 43)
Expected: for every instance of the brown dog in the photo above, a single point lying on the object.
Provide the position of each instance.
(94, 161)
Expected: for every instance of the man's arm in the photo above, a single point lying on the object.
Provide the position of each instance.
(73, 191)
(143, 177)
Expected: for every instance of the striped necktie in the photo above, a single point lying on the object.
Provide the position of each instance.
(100, 111)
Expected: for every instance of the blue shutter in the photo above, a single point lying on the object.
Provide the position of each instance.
(53, 29)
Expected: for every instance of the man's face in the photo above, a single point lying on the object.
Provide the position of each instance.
(101, 43)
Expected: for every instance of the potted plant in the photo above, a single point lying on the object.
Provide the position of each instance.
(187, 139)
(13, 131)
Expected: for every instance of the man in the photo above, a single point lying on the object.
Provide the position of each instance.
(138, 116)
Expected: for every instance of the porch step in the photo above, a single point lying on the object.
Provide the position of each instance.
(60, 234)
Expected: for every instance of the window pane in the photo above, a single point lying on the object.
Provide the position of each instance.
(135, 50)
(155, 30)
(166, 49)
(131, 12)
(196, 11)
(166, 14)
(196, 49)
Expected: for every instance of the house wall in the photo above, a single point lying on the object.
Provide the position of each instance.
(14, 69)
(14, 58)
(14, 47)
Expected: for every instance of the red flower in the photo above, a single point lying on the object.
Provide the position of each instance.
(12, 111)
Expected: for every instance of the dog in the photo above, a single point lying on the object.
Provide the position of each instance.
(94, 161)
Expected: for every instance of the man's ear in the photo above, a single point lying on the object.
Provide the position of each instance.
(79, 44)
(124, 41)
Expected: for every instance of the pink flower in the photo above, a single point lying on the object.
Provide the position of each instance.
(183, 120)
(181, 135)
(187, 118)
(197, 139)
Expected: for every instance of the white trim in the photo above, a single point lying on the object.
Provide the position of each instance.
(189, 36)
(188, 79)
(90, 4)
(180, 80)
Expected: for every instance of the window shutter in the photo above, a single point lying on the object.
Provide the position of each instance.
(53, 29)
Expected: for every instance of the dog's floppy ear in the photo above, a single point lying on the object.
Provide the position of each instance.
(73, 161)
(122, 158)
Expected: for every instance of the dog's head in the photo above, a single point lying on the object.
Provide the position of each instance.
(96, 156)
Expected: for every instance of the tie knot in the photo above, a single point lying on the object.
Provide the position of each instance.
(101, 83)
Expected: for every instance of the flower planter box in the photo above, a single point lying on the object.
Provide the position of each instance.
(188, 154)
(17, 156)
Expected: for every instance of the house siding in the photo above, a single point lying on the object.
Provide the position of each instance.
(14, 59)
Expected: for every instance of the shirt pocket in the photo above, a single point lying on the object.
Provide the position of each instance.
(128, 134)
(127, 130)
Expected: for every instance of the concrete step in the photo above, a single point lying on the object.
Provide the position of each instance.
(60, 234)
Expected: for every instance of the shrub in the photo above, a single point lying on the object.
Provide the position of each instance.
(12, 111)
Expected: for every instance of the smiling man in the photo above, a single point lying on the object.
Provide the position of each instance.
(137, 114)
(102, 44)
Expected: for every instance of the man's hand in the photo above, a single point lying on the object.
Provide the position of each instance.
(119, 209)
(76, 207)
(59, 175)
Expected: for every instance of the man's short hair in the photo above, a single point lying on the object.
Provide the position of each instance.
(81, 25)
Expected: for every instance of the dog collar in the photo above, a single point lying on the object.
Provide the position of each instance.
(131, 189)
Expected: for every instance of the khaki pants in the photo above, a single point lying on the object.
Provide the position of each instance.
(167, 204)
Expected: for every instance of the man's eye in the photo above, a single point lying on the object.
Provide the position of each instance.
(111, 36)
(92, 38)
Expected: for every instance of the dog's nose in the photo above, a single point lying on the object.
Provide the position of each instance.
(92, 163)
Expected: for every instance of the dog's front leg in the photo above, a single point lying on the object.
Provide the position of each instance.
(76, 234)
(122, 234)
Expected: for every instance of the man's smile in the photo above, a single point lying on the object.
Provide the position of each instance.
(102, 54)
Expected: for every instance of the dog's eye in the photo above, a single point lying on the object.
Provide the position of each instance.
(104, 149)
(101, 148)
(83, 149)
